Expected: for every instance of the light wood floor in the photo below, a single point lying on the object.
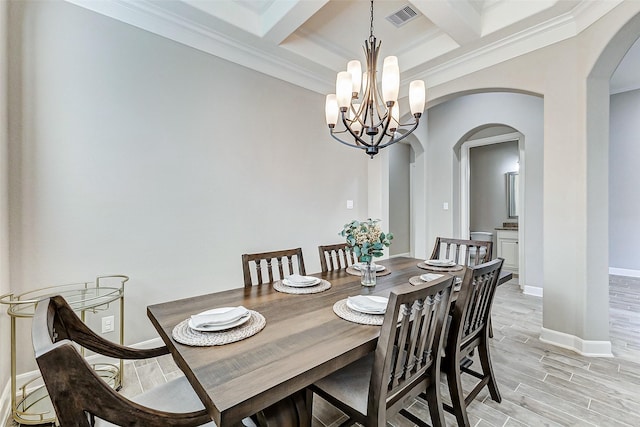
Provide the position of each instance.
(541, 385)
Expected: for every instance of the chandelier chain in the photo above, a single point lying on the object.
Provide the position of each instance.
(371, 26)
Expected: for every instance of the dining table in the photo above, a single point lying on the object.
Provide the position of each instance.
(302, 342)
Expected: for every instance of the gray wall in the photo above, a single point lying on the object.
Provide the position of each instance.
(137, 155)
(624, 179)
(4, 200)
(399, 203)
(488, 186)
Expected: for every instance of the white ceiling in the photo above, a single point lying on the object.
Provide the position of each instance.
(307, 41)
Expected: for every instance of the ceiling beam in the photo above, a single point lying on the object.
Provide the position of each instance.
(283, 18)
(458, 18)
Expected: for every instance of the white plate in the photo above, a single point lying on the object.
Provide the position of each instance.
(440, 262)
(364, 310)
(315, 281)
(216, 328)
(358, 266)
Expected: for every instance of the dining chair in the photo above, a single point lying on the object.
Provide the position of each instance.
(465, 252)
(468, 331)
(406, 361)
(266, 259)
(81, 397)
(336, 257)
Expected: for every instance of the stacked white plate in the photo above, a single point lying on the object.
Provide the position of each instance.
(368, 304)
(440, 262)
(359, 266)
(219, 319)
(298, 281)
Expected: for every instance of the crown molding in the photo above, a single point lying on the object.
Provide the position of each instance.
(147, 15)
(277, 61)
(536, 37)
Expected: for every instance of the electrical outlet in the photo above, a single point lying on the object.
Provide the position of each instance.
(349, 204)
(107, 324)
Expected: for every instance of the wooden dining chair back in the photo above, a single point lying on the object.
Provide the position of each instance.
(469, 330)
(81, 397)
(406, 360)
(280, 262)
(336, 257)
(464, 252)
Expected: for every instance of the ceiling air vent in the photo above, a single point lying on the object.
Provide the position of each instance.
(402, 16)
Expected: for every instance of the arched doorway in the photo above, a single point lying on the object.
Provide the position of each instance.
(505, 134)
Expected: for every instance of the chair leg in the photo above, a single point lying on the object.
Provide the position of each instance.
(457, 395)
(435, 404)
(487, 370)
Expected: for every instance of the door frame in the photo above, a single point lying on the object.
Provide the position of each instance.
(465, 184)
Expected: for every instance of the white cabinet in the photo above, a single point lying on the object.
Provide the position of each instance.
(507, 241)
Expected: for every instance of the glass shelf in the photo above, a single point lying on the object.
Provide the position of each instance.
(32, 405)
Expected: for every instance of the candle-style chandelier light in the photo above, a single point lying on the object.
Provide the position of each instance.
(373, 120)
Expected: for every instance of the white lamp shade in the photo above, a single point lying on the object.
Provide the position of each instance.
(395, 117)
(390, 82)
(343, 89)
(417, 96)
(331, 110)
(390, 60)
(355, 69)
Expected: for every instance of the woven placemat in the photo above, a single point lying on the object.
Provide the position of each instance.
(185, 335)
(320, 287)
(426, 266)
(356, 272)
(340, 308)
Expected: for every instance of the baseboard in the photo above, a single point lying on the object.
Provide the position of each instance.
(534, 291)
(399, 255)
(580, 346)
(624, 272)
(152, 343)
(5, 402)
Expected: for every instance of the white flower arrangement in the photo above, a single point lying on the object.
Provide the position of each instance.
(366, 238)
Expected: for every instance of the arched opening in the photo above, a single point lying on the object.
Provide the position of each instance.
(483, 191)
(613, 108)
(438, 170)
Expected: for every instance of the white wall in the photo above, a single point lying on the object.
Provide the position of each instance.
(624, 176)
(138, 155)
(449, 125)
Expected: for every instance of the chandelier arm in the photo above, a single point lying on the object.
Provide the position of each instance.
(362, 147)
(383, 133)
(357, 138)
(393, 141)
(401, 125)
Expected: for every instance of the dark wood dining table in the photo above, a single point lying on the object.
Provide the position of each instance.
(303, 341)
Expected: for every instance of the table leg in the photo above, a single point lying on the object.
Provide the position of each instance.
(290, 412)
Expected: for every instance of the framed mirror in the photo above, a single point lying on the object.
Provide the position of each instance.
(512, 194)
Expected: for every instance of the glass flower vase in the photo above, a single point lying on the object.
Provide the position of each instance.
(368, 277)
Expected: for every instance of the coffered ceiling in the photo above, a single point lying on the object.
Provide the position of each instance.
(306, 42)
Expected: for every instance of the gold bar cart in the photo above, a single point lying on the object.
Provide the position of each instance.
(31, 405)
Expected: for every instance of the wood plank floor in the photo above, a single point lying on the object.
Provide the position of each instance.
(541, 385)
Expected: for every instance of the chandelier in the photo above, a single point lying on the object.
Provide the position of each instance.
(372, 119)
